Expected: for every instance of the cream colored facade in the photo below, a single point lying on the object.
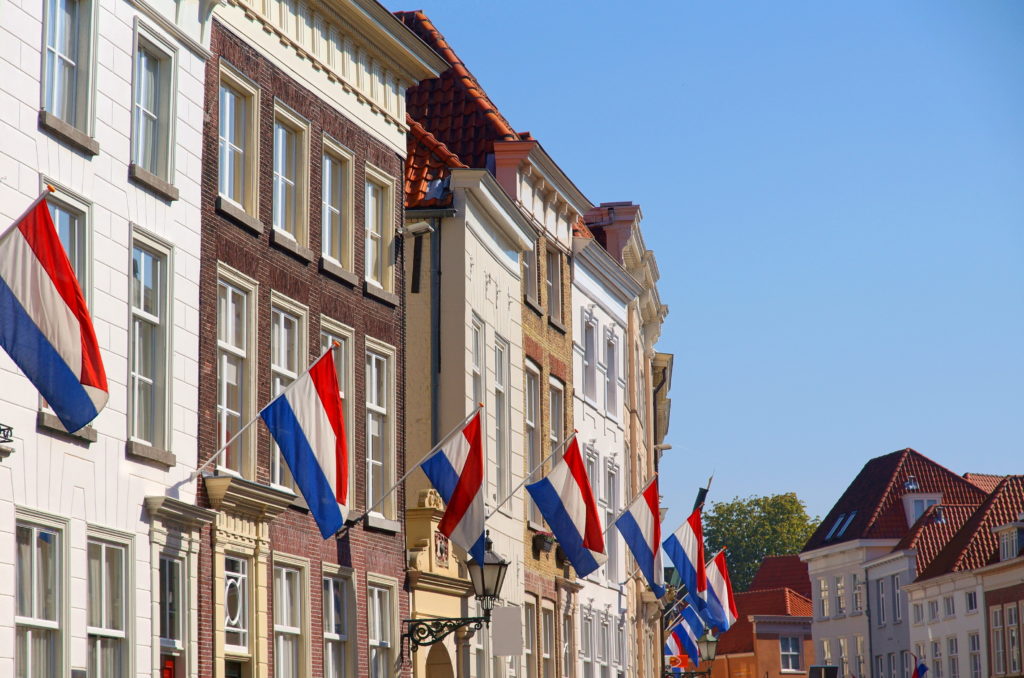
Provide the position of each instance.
(464, 311)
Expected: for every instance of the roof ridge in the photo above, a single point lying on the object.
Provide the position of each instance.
(904, 453)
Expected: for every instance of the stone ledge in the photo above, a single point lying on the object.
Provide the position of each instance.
(332, 269)
(533, 305)
(382, 524)
(68, 133)
(50, 423)
(152, 182)
(282, 241)
(238, 215)
(144, 452)
(557, 325)
(371, 290)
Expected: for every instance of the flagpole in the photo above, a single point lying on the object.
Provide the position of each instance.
(628, 504)
(702, 493)
(529, 475)
(435, 448)
(195, 474)
(35, 203)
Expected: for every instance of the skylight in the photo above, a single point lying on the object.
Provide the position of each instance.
(849, 519)
(839, 521)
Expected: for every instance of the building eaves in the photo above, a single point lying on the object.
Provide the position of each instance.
(418, 58)
(427, 169)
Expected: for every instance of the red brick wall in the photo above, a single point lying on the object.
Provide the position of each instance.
(294, 532)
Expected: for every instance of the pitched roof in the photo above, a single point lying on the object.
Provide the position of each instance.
(454, 107)
(933, 530)
(872, 506)
(426, 168)
(776, 602)
(782, 571)
(983, 481)
(974, 545)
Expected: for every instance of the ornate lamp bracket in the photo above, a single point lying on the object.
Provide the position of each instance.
(424, 632)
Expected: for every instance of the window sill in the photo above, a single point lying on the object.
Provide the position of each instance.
(375, 521)
(533, 305)
(557, 325)
(284, 241)
(536, 527)
(68, 133)
(372, 290)
(335, 270)
(50, 423)
(5, 452)
(152, 182)
(143, 452)
(238, 215)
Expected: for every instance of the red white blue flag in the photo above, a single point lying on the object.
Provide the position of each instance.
(640, 526)
(44, 323)
(683, 636)
(566, 500)
(309, 428)
(685, 548)
(457, 473)
(721, 605)
(919, 668)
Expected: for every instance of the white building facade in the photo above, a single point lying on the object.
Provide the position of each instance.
(947, 624)
(98, 528)
(601, 293)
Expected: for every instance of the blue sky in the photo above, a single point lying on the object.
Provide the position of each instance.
(835, 196)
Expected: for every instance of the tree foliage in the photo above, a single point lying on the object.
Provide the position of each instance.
(753, 528)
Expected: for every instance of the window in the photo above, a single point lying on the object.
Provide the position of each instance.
(237, 140)
(1008, 545)
(1012, 638)
(476, 368)
(106, 625)
(611, 501)
(233, 373)
(556, 412)
(879, 666)
(69, 221)
(880, 584)
(844, 661)
(567, 654)
(920, 506)
(860, 656)
(590, 359)
(147, 389)
(502, 459)
(823, 596)
(789, 650)
(611, 377)
(533, 444)
(336, 199)
(858, 594)
(846, 524)
(897, 599)
(998, 642)
(379, 619)
(971, 601)
(335, 618)
(377, 215)
(948, 606)
(621, 656)
(953, 651)
(529, 635)
(835, 526)
(287, 622)
(841, 594)
(286, 356)
(918, 609)
(290, 163)
(331, 332)
(937, 658)
(547, 644)
(172, 605)
(906, 670)
(38, 580)
(236, 604)
(586, 645)
(602, 647)
(66, 73)
(554, 285)
(933, 610)
(530, 272)
(380, 463)
(826, 652)
(151, 114)
(974, 647)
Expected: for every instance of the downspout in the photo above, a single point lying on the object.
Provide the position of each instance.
(654, 418)
(435, 328)
(867, 615)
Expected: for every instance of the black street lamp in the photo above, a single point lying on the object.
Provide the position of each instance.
(487, 578)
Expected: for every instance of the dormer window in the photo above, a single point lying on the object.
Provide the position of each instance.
(916, 503)
(1009, 539)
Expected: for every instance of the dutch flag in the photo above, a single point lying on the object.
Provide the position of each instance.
(685, 548)
(640, 526)
(683, 636)
(566, 501)
(44, 323)
(457, 472)
(721, 605)
(308, 427)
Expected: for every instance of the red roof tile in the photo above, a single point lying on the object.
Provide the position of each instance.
(983, 481)
(580, 230)
(782, 602)
(933, 530)
(974, 545)
(875, 498)
(426, 167)
(454, 107)
(782, 571)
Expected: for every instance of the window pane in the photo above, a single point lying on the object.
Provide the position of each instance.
(24, 571)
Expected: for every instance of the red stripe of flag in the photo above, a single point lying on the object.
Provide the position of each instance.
(325, 381)
(593, 539)
(470, 480)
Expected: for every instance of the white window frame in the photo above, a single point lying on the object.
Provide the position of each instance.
(840, 582)
(530, 273)
(58, 527)
(107, 630)
(384, 248)
(611, 375)
(553, 283)
(337, 247)
(589, 350)
(556, 424)
(532, 434)
(477, 342)
(249, 288)
(502, 417)
(610, 492)
(334, 330)
(281, 375)
(244, 625)
(974, 653)
(823, 598)
(948, 606)
(291, 147)
(79, 208)
(248, 147)
(933, 610)
(897, 599)
(587, 643)
(163, 321)
(387, 353)
(166, 57)
(971, 602)
(337, 582)
(953, 654)
(880, 589)
(297, 630)
(530, 637)
(175, 642)
(82, 61)
(547, 642)
(381, 635)
(791, 651)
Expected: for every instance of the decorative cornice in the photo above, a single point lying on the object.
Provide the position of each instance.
(438, 583)
(171, 510)
(244, 497)
(590, 252)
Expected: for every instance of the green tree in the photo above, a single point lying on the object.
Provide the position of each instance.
(754, 528)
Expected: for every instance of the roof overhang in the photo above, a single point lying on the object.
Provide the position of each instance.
(853, 544)
(382, 28)
(552, 174)
(596, 258)
(484, 187)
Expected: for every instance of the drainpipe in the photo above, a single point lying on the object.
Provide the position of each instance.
(435, 327)
(654, 418)
(867, 615)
